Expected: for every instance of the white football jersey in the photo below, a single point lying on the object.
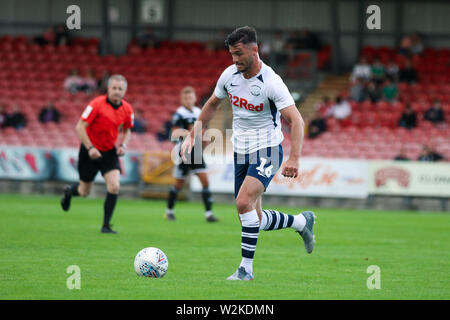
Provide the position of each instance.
(256, 103)
(185, 118)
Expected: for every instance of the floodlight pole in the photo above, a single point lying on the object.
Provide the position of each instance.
(106, 29)
(335, 37)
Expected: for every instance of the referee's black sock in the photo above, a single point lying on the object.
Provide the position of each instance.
(109, 205)
(173, 193)
(74, 190)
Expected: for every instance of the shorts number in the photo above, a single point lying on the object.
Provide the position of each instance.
(264, 171)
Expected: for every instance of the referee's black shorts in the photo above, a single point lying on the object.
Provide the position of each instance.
(88, 168)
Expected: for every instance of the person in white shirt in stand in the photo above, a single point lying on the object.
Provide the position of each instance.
(361, 70)
(341, 109)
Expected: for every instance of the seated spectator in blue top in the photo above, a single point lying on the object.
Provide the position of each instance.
(358, 91)
(374, 93)
(317, 126)
(17, 119)
(408, 73)
(3, 116)
(435, 114)
(429, 154)
(409, 118)
(164, 133)
(49, 113)
(140, 125)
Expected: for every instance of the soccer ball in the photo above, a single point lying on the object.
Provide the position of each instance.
(151, 262)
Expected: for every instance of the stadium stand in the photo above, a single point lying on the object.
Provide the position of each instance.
(32, 74)
(374, 133)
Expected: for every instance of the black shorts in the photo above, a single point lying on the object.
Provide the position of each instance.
(88, 168)
(195, 164)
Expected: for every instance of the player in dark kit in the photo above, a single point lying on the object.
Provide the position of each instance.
(184, 118)
(98, 130)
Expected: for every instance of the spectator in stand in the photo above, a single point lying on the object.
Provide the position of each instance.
(140, 125)
(417, 46)
(361, 70)
(392, 70)
(307, 40)
(341, 110)
(316, 126)
(4, 117)
(164, 133)
(277, 48)
(265, 50)
(292, 44)
(61, 35)
(378, 71)
(435, 114)
(89, 82)
(274, 49)
(408, 73)
(293, 40)
(17, 119)
(405, 46)
(358, 90)
(102, 83)
(374, 92)
(401, 156)
(430, 154)
(49, 113)
(73, 83)
(408, 119)
(323, 107)
(48, 37)
(390, 90)
(148, 39)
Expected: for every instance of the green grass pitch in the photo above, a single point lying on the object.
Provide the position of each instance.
(39, 241)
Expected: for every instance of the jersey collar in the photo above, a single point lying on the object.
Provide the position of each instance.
(115, 106)
(191, 111)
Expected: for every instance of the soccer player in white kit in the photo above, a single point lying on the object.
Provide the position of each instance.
(259, 98)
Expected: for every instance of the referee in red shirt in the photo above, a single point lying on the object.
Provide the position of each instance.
(98, 130)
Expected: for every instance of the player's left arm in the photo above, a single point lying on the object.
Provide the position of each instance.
(126, 129)
(293, 116)
(125, 140)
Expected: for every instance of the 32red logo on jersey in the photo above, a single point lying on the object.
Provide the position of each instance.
(243, 103)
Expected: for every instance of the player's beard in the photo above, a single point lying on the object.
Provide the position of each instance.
(249, 64)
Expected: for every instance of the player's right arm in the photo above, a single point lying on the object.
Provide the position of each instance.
(208, 112)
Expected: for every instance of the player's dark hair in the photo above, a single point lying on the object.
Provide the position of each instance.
(245, 35)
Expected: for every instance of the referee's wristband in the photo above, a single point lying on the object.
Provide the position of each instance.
(123, 145)
(89, 149)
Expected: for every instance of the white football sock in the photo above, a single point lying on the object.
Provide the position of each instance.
(299, 222)
(249, 237)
